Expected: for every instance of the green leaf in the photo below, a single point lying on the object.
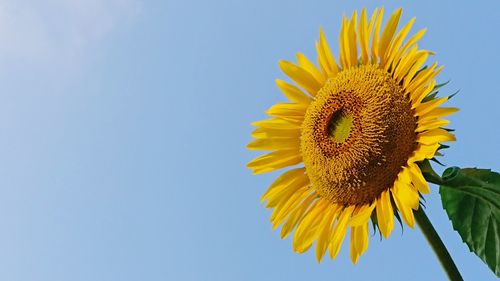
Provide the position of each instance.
(471, 198)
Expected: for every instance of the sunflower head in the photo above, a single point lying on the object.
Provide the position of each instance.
(359, 129)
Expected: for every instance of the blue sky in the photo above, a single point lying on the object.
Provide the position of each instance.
(123, 127)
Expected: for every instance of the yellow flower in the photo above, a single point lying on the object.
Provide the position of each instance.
(356, 130)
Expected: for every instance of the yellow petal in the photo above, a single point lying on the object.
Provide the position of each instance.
(276, 123)
(413, 40)
(420, 93)
(325, 57)
(326, 228)
(283, 181)
(274, 161)
(417, 65)
(333, 67)
(404, 176)
(285, 207)
(305, 63)
(424, 77)
(435, 136)
(296, 216)
(359, 241)
(352, 249)
(323, 64)
(370, 29)
(388, 34)
(362, 236)
(375, 38)
(304, 235)
(287, 110)
(425, 107)
(301, 76)
(408, 60)
(274, 144)
(418, 179)
(431, 124)
(423, 151)
(407, 200)
(405, 63)
(286, 192)
(351, 37)
(262, 133)
(437, 113)
(294, 119)
(293, 93)
(363, 215)
(363, 37)
(385, 214)
(344, 44)
(339, 231)
(396, 45)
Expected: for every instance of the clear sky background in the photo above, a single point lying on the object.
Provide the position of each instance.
(123, 127)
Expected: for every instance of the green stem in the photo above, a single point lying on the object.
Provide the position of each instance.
(437, 245)
(429, 174)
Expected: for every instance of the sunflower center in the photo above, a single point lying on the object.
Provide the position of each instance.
(357, 135)
(340, 126)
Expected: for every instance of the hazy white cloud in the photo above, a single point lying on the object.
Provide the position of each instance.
(58, 31)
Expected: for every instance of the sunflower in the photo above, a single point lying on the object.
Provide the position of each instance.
(352, 135)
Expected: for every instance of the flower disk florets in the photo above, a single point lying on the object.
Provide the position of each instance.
(357, 135)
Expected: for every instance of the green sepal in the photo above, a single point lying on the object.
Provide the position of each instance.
(454, 94)
(430, 97)
(398, 218)
(441, 85)
(443, 146)
(376, 229)
(433, 159)
(396, 214)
